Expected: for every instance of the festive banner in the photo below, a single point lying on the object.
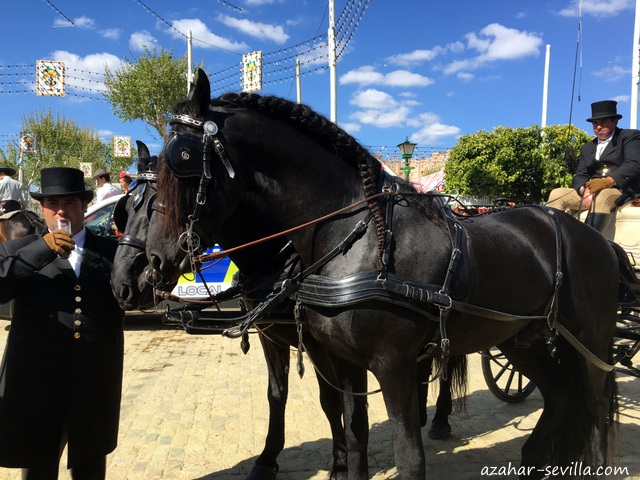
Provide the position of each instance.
(252, 72)
(50, 78)
(28, 143)
(121, 146)
(87, 169)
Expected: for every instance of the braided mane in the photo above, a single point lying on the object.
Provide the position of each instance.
(322, 131)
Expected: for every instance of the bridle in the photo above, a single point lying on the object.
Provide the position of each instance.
(147, 179)
(178, 150)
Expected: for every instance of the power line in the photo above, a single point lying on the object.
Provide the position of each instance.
(59, 12)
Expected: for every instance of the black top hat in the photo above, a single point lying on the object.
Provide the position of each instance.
(58, 181)
(8, 170)
(604, 109)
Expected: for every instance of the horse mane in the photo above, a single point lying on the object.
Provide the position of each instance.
(308, 122)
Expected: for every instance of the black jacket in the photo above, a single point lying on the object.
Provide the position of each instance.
(622, 157)
(64, 352)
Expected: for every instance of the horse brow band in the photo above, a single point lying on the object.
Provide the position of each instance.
(186, 120)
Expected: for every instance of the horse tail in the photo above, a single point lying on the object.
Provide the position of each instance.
(457, 370)
(582, 435)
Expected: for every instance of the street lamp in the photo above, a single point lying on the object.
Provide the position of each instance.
(406, 149)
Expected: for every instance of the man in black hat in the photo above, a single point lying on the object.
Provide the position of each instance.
(61, 375)
(11, 189)
(609, 166)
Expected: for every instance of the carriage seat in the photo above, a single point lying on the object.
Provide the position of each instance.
(624, 229)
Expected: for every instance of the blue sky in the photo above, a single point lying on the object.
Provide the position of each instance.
(430, 71)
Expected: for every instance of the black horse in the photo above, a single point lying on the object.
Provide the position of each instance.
(388, 277)
(16, 222)
(260, 268)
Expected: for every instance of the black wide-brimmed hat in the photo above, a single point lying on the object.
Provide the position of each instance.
(59, 181)
(604, 109)
(8, 170)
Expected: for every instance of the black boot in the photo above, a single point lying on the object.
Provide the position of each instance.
(599, 221)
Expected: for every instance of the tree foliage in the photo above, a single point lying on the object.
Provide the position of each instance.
(147, 88)
(61, 143)
(523, 164)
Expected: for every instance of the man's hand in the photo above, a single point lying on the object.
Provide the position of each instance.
(60, 242)
(597, 184)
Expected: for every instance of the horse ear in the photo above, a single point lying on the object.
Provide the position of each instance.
(200, 93)
(143, 151)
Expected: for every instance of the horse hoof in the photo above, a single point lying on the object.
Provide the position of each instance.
(262, 472)
(439, 432)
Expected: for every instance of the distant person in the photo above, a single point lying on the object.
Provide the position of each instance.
(609, 166)
(61, 374)
(125, 182)
(11, 189)
(105, 188)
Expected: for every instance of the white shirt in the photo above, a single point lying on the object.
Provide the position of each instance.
(75, 256)
(105, 191)
(602, 144)
(11, 189)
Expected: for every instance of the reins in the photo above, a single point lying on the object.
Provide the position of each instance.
(207, 257)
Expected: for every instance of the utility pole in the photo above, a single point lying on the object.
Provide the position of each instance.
(189, 72)
(545, 88)
(298, 83)
(333, 61)
(635, 70)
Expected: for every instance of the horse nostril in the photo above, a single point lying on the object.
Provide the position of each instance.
(156, 262)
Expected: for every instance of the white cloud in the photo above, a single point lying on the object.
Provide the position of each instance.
(622, 98)
(91, 64)
(207, 39)
(612, 73)
(367, 75)
(373, 99)
(496, 42)
(351, 127)
(597, 8)
(382, 118)
(139, 40)
(112, 33)
(420, 56)
(379, 109)
(262, 31)
(431, 133)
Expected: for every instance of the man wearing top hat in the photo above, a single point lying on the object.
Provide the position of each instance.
(61, 374)
(609, 167)
(11, 189)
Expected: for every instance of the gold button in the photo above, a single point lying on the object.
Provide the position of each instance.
(77, 288)
(76, 335)
(78, 311)
(77, 323)
(78, 299)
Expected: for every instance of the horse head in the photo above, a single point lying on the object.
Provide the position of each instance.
(132, 280)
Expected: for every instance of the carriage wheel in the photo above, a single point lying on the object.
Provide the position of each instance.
(503, 380)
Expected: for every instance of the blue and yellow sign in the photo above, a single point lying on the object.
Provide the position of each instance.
(218, 276)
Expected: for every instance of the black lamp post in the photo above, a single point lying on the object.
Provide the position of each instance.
(406, 149)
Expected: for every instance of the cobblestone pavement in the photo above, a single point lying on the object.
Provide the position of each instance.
(194, 407)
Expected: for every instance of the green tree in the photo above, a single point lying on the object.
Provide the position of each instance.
(523, 164)
(147, 88)
(61, 143)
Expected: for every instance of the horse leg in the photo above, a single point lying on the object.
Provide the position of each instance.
(536, 363)
(332, 405)
(440, 428)
(277, 359)
(424, 373)
(353, 381)
(396, 376)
